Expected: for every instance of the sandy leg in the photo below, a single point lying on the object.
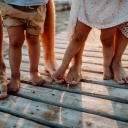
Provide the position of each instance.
(51, 66)
(3, 79)
(3, 83)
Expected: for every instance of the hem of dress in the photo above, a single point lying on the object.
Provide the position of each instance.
(102, 26)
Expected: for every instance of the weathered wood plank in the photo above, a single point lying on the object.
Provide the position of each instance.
(57, 116)
(91, 60)
(9, 121)
(74, 101)
(87, 66)
(87, 53)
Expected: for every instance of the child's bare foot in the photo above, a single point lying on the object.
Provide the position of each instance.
(74, 75)
(120, 75)
(58, 76)
(107, 74)
(36, 79)
(13, 85)
(51, 66)
(3, 82)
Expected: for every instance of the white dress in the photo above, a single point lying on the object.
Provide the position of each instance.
(99, 14)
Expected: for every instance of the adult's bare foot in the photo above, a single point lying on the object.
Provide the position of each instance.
(13, 85)
(107, 73)
(74, 75)
(51, 66)
(120, 75)
(3, 82)
(36, 79)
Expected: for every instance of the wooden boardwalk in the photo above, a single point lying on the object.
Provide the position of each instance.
(94, 103)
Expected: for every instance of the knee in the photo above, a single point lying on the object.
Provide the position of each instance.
(107, 40)
(78, 38)
(107, 36)
(32, 39)
(16, 42)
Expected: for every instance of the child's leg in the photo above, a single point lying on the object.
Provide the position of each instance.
(78, 39)
(34, 55)
(3, 81)
(107, 39)
(16, 40)
(48, 39)
(74, 75)
(120, 75)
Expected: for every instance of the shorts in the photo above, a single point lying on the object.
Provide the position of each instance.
(33, 19)
(124, 28)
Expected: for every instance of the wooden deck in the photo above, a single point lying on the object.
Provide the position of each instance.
(94, 103)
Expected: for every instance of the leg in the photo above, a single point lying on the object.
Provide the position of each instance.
(78, 39)
(120, 75)
(107, 39)
(48, 39)
(74, 75)
(16, 40)
(34, 55)
(3, 81)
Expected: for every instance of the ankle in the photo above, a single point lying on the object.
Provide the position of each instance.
(34, 71)
(116, 61)
(15, 76)
(107, 65)
(49, 58)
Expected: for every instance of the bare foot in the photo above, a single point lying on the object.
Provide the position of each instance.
(120, 75)
(58, 76)
(74, 75)
(3, 82)
(13, 85)
(107, 74)
(51, 66)
(36, 79)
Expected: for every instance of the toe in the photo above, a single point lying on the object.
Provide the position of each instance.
(59, 81)
(16, 89)
(125, 80)
(68, 80)
(104, 77)
(41, 82)
(75, 82)
(120, 81)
